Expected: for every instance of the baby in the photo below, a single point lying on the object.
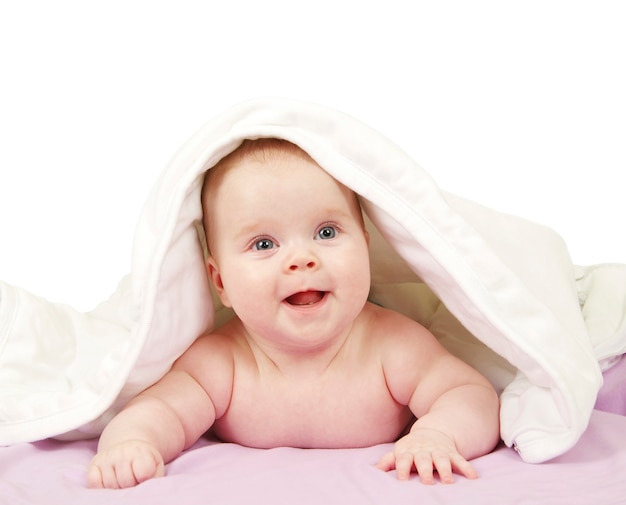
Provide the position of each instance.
(306, 361)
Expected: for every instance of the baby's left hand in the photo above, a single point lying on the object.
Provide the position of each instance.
(426, 450)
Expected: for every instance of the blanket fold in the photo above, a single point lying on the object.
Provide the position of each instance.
(497, 290)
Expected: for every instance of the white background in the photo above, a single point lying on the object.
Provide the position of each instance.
(517, 105)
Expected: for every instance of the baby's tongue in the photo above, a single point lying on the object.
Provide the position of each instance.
(305, 298)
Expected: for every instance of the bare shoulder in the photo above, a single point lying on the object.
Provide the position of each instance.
(414, 361)
(394, 332)
(210, 361)
(214, 349)
(410, 354)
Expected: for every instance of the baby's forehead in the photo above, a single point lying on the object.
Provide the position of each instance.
(254, 156)
(237, 175)
(262, 151)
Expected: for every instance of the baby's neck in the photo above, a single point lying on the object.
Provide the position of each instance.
(299, 364)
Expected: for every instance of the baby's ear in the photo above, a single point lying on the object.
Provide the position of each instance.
(216, 279)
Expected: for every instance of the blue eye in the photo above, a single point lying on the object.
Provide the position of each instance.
(263, 244)
(327, 232)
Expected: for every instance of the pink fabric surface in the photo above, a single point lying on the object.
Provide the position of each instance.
(612, 396)
(594, 471)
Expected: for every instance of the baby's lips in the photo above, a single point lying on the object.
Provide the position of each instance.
(305, 298)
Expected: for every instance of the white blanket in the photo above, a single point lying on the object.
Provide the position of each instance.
(499, 291)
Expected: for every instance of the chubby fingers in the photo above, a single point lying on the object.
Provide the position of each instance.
(463, 467)
(425, 464)
(94, 477)
(146, 468)
(402, 463)
(124, 467)
(387, 462)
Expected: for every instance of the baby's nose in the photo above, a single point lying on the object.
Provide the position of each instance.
(303, 264)
(302, 258)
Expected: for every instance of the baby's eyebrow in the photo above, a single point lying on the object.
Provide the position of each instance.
(245, 230)
(335, 215)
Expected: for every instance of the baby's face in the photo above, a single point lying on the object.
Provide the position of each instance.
(290, 253)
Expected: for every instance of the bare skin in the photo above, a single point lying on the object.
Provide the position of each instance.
(307, 362)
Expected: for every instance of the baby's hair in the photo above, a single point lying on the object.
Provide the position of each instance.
(262, 150)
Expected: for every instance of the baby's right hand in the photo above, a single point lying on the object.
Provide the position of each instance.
(125, 465)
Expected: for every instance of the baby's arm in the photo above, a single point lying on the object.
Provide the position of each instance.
(457, 410)
(158, 424)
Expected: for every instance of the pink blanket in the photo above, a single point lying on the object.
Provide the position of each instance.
(593, 472)
(612, 396)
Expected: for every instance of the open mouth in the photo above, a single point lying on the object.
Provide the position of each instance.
(305, 298)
